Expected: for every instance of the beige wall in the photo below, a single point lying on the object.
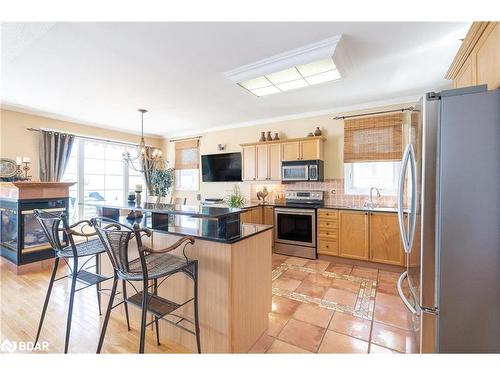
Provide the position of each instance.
(15, 140)
(332, 129)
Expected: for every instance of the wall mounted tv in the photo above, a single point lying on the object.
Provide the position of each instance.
(221, 167)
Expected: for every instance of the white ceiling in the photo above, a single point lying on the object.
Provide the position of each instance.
(100, 73)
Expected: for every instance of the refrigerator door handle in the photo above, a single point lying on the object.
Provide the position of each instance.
(402, 174)
(407, 303)
(413, 203)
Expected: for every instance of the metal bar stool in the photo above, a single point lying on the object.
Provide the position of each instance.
(92, 248)
(150, 265)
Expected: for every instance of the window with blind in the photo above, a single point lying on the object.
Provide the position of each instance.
(373, 148)
(187, 164)
(376, 138)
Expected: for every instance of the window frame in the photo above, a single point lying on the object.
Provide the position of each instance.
(184, 188)
(351, 189)
(80, 172)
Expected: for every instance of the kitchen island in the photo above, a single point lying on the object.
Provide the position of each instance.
(234, 280)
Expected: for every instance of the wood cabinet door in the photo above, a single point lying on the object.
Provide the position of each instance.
(353, 234)
(310, 150)
(262, 161)
(290, 151)
(385, 241)
(274, 159)
(249, 166)
(257, 215)
(467, 74)
(246, 217)
(488, 57)
(268, 215)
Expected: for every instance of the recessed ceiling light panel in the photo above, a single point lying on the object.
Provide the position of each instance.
(313, 64)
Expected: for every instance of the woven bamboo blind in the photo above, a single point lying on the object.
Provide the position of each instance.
(375, 138)
(186, 154)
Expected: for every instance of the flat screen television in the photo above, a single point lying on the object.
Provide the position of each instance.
(221, 167)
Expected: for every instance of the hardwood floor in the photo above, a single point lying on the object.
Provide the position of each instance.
(21, 301)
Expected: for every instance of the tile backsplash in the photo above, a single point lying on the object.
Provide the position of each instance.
(334, 192)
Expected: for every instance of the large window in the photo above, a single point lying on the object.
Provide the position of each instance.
(359, 178)
(101, 175)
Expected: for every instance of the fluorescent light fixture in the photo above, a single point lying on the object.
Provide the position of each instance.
(316, 63)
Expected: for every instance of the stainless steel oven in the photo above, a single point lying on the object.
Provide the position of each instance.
(295, 224)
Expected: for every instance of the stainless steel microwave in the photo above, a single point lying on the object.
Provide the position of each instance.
(302, 170)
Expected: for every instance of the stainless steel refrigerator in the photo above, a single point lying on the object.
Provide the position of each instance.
(449, 215)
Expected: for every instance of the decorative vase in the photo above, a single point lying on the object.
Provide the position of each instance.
(317, 132)
(269, 138)
(276, 137)
(262, 137)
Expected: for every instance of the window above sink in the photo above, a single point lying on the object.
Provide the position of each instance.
(359, 177)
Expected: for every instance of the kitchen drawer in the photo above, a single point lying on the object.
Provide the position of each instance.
(328, 224)
(328, 214)
(328, 247)
(328, 234)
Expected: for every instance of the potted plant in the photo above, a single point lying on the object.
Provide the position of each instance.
(162, 181)
(236, 199)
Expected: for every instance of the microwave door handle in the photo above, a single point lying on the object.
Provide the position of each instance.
(407, 303)
(402, 174)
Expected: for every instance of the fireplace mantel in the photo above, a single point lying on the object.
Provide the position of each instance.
(34, 190)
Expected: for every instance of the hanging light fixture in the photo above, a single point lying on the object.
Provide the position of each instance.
(142, 154)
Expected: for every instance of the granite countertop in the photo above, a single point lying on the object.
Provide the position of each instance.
(199, 228)
(162, 208)
(253, 204)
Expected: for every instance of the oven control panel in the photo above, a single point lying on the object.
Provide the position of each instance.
(304, 195)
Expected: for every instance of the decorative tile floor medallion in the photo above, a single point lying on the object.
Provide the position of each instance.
(365, 302)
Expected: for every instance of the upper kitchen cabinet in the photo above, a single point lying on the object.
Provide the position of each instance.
(303, 149)
(478, 59)
(262, 162)
(249, 158)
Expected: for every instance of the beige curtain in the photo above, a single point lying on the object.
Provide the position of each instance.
(55, 150)
(374, 138)
(186, 154)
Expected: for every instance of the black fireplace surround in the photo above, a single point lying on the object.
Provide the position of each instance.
(22, 239)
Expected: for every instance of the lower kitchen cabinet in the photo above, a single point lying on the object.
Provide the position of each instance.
(254, 215)
(328, 232)
(385, 243)
(354, 234)
(268, 215)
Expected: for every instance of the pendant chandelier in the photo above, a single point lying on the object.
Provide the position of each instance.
(143, 157)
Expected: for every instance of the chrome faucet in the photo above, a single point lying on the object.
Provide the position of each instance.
(370, 203)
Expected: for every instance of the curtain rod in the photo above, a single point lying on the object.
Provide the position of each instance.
(185, 139)
(373, 113)
(89, 138)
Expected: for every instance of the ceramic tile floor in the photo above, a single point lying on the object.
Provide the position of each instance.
(324, 307)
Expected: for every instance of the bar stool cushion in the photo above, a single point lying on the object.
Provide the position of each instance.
(86, 248)
(158, 265)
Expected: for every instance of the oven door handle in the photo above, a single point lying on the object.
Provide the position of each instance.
(294, 212)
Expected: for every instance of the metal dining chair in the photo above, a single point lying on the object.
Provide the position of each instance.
(151, 265)
(55, 225)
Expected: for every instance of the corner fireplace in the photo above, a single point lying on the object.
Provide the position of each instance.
(22, 239)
